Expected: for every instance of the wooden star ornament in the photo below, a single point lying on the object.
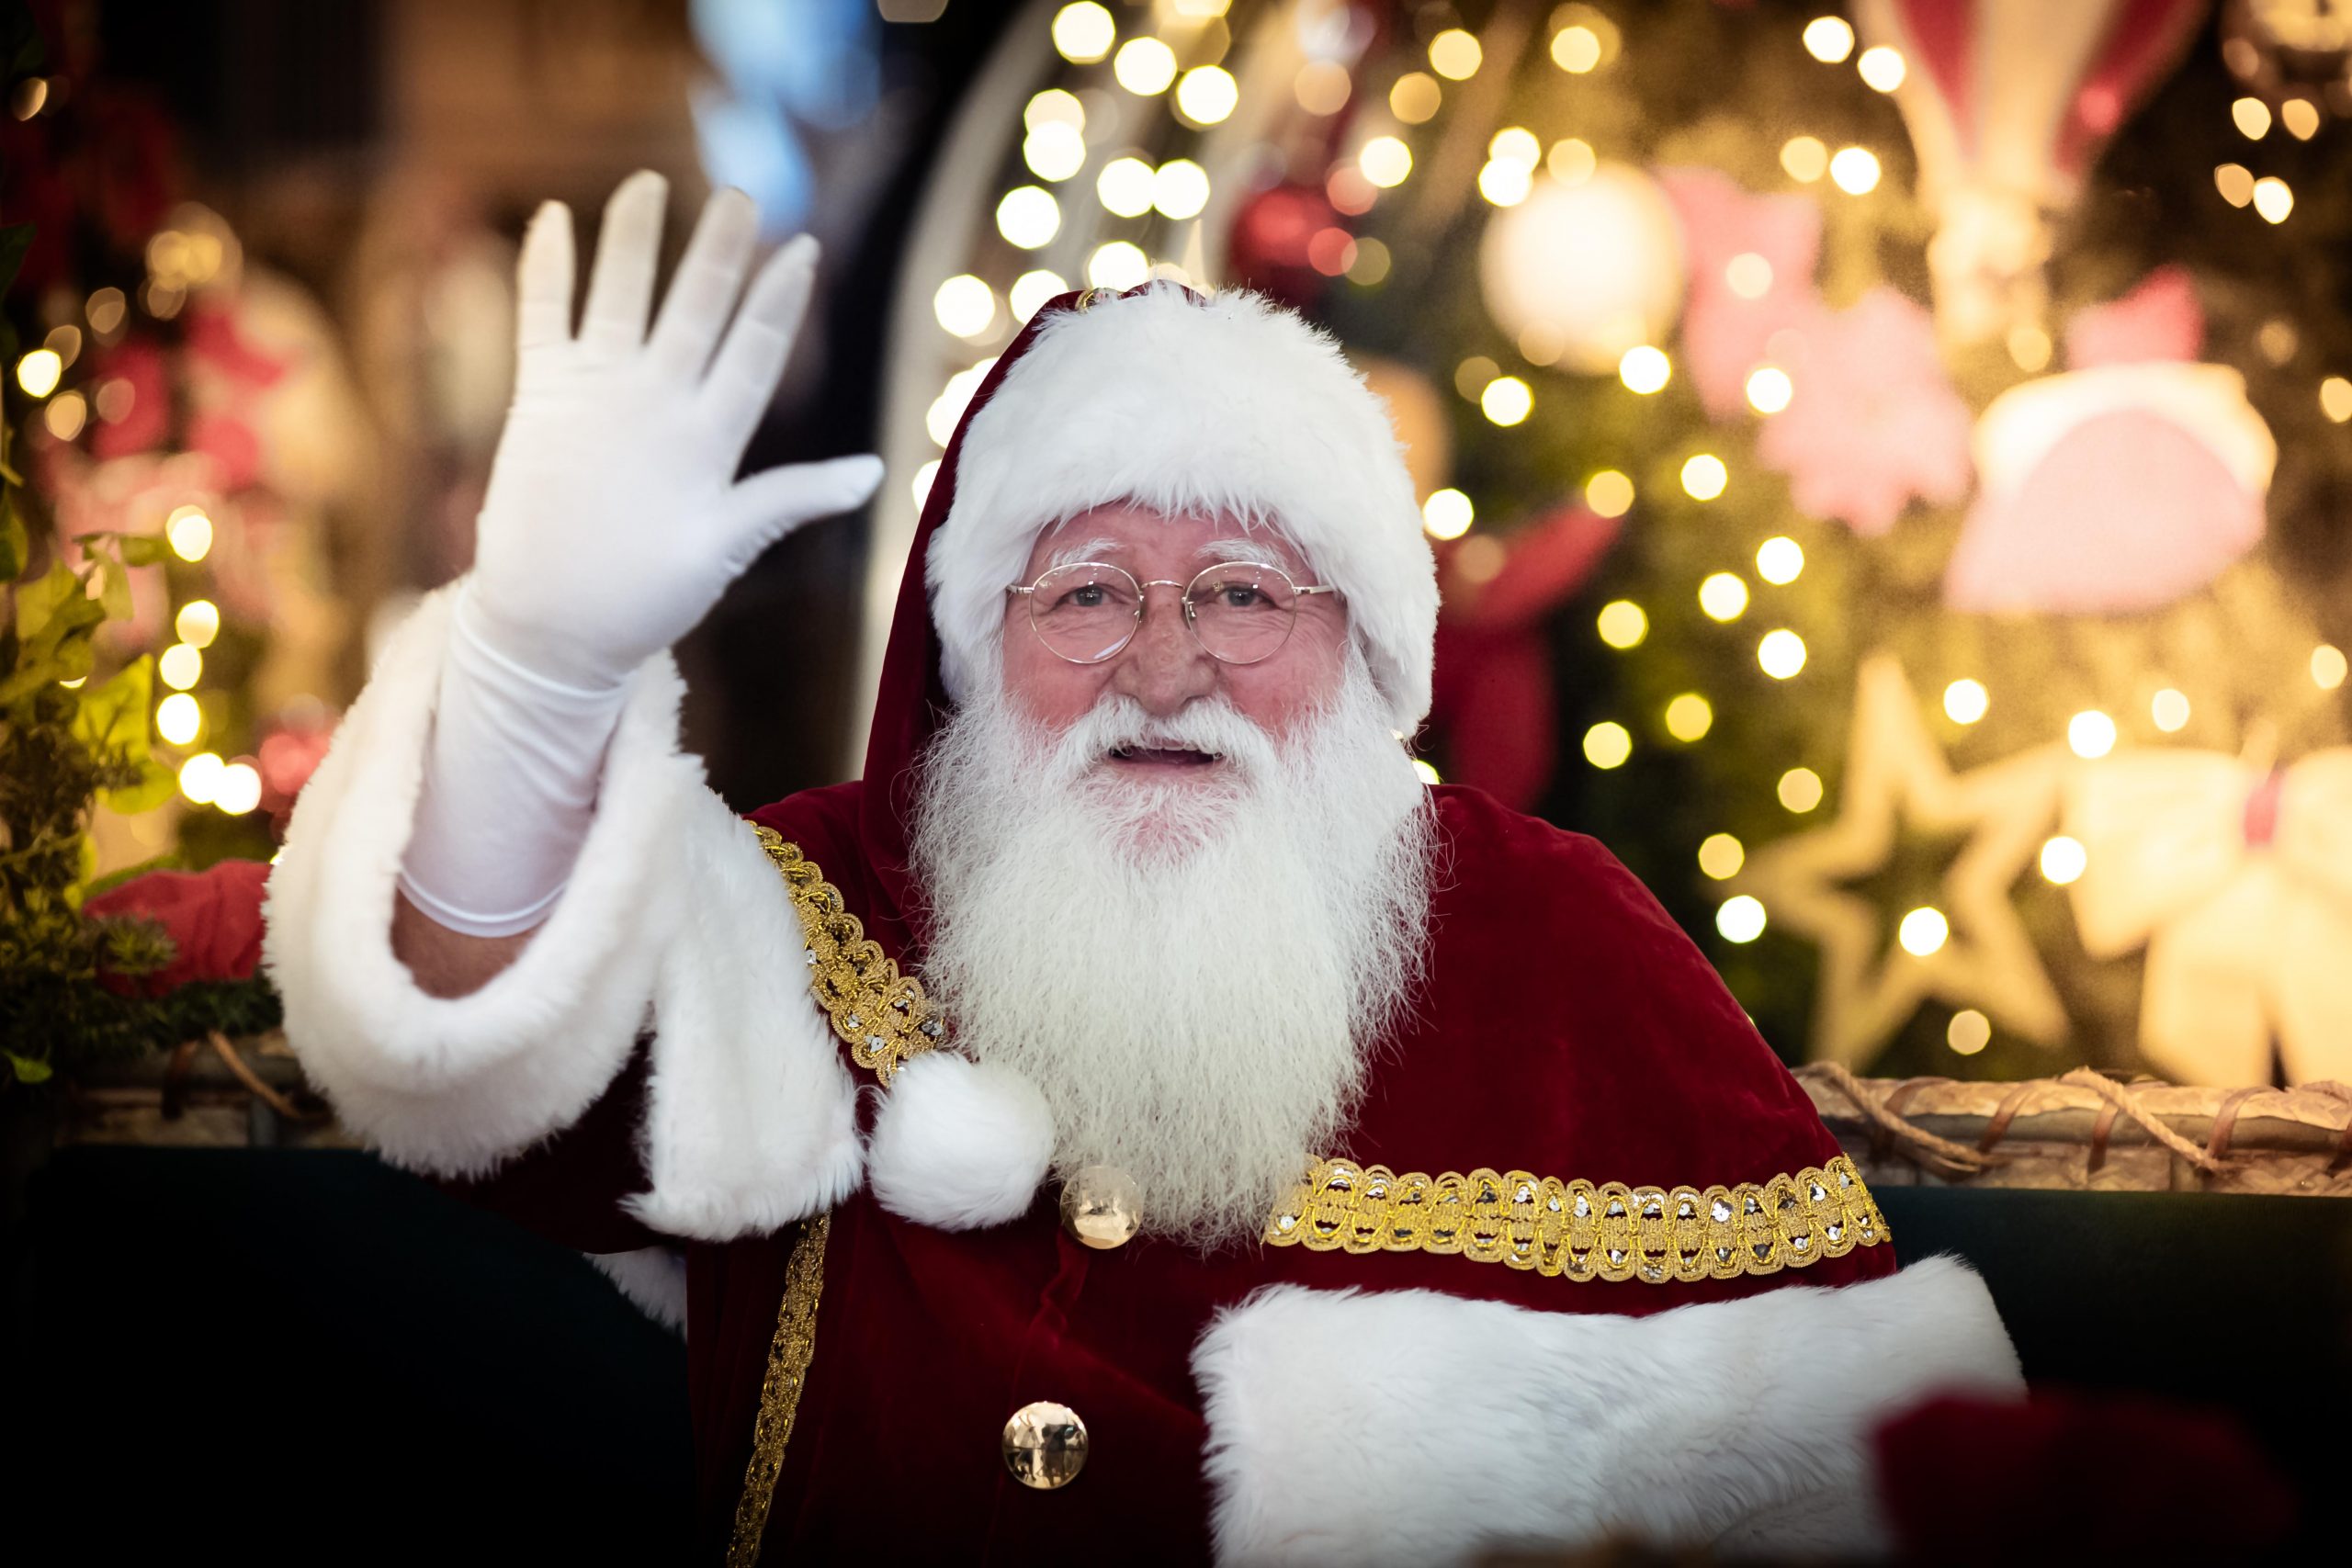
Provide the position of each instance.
(1896, 777)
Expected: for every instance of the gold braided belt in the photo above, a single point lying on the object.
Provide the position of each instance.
(1574, 1228)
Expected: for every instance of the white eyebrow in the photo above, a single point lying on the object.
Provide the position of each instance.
(1070, 554)
(1243, 550)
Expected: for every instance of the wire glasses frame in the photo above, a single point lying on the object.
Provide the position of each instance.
(1239, 612)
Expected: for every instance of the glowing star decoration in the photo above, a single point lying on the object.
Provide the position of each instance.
(1873, 419)
(1896, 779)
(2236, 877)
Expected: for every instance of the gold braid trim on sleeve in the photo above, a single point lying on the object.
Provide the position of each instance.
(1574, 1228)
(882, 1014)
(788, 1355)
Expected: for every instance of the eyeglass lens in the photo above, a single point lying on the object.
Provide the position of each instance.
(1240, 610)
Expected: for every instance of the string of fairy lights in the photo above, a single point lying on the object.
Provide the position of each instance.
(1177, 53)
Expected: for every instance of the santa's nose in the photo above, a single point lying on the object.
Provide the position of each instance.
(1164, 667)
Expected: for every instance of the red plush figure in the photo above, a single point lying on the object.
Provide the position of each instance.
(1137, 1120)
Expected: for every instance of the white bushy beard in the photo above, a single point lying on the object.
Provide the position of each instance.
(1193, 972)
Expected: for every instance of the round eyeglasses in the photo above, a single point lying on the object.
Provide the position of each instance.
(1240, 611)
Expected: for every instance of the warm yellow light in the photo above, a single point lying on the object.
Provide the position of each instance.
(1416, 97)
(1456, 55)
(180, 667)
(1622, 625)
(2063, 860)
(1829, 39)
(2273, 199)
(37, 372)
(106, 308)
(2252, 117)
(197, 622)
(1447, 514)
(2327, 667)
(1644, 369)
(1923, 932)
(2091, 734)
(1854, 170)
(177, 719)
(1181, 189)
(1965, 701)
(1084, 32)
(1029, 217)
(1770, 389)
(1969, 1032)
(66, 416)
(239, 789)
(1426, 770)
(200, 776)
(1370, 264)
(1689, 716)
(1609, 493)
(1054, 150)
(1117, 264)
(1504, 183)
(2335, 398)
(1721, 856)
(1799, 790)
(1882, 68)
(964, 305)
(2169, 710)
(1749, 275)
(1506, 401)
(2235, 182)
(1705, 476)
(189, 531)
(1322, 86)
(1576, 49)
(2301, 116)
(2029, 346)
(1124, 187)
(948, 408)
(1780, 560)
(1208, 93)
(1781, 653)
(1470, 377)
(1608, 744)
(1722, 596)
(1804, 158)
(1385, 162)
(1571, 161)
(920, 487)
(1740, 918)
(1054, 107)
(1144, 66)
(1031, 291)
(1515, 144)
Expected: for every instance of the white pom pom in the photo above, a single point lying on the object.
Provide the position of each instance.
(959, 1145)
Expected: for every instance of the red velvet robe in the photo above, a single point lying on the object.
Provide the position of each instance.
(1569, 1028)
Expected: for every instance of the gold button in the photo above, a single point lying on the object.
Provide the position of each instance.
(1103, 1207)
(1044, 1445)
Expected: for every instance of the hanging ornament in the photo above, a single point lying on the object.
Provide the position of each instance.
(1980, 956)
(2131, 479)
(2008, 102)
(2237, 877)
(1585, 270)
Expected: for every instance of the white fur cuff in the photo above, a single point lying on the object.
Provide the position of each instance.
(1415, 1428)
(959, 1145)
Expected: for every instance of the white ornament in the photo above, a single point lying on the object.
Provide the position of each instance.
(1592, 268)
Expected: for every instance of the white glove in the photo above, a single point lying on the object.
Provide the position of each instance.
(613, 523)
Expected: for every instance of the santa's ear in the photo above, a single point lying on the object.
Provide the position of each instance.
(959, 1145)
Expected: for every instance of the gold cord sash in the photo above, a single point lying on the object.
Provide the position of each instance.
(881, 1014)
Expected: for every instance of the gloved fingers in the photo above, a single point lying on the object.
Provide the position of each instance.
(770, 504)
(620, 288)
(709, 277)
(543, 281)
(743, 378)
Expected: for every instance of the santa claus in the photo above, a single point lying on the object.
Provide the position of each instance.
(1140, 1117)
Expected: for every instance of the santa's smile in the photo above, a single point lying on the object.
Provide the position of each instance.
(1172, 758)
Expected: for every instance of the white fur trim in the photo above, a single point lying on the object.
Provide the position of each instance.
(1415, 1428)
(652, 1278)
(959, 1145)
(1235, 406)
(751, 1122)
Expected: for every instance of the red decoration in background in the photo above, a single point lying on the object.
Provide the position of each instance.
(1492, 700)
(2078, 1478)
(212, 917)
(1273, 248)
(1874, 420)
(2158, 320)
(1724, 333)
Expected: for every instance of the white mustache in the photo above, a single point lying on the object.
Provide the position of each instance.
(1119, 724)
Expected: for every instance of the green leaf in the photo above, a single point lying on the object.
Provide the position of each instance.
(155, 784)
(113, 590)
(29, 1069)
(144, 549)
(38, 600)
(15, 546)
(112, 721)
